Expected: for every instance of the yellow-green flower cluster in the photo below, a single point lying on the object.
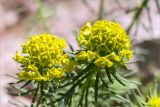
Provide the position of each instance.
(44, 58)
(105, 43)
(154, 102)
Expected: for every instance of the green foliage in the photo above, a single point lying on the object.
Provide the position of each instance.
(89, 77)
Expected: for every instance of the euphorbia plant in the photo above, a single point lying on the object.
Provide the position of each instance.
(69, 79)
(105, 46)
(44, 63)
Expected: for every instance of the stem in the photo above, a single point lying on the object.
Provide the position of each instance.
(96, 88)
(78, 82)
(158, 5)
(86, 95)
(35, 96)
(25, 84)
(80, 74)
(82, 93)
(22, 94)
(137, 14)
(16, 82)
(109, 75)
(71, 90)
(101, 10)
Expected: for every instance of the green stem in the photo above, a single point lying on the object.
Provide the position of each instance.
(86, 95)
(109, 75)
(35, 96)
(114, 74)
(71, 90)
(22, 94)
(16, 82)
(80, 74)
(43, 95)
(84, 89)
(78, 82)
(96, 88)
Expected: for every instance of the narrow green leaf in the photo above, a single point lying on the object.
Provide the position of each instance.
(75, 33)
(16, 82)
(70, 101)
(70, 46)
(128, 80)
(82, 96)
(109, 75)
(83, 72)
(12, 76)
(35, 96)
(122, 98)
(140, 94)
(104, 83)
(86, 95)
(71, 90)
(115, 76)
(23, 93)
(79, 75)
(96, 88)
(79, 81)
(25, 84)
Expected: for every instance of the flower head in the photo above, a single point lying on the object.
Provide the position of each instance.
(154, 102)
(107, 40)
(44, 58)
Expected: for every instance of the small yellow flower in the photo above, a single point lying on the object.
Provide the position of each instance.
(91, 55)
(102, 61)
(30, 76)
(67, 63)
(113, 57)
(24, 75)
(126, 53)
(81, 56)
(20, 58)
(65, 60)
(154, 102)
(55, 73)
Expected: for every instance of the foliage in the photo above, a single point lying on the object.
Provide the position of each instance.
(60, 79)
(94, 76)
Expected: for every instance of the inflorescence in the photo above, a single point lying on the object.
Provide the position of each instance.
(43, 58)
(105, 43)
(154, 102)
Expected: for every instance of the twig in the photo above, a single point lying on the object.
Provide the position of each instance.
(137, 14)
(101, 10)
(88, 6)
(158, 5)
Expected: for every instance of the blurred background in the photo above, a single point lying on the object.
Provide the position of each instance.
(20, 19)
